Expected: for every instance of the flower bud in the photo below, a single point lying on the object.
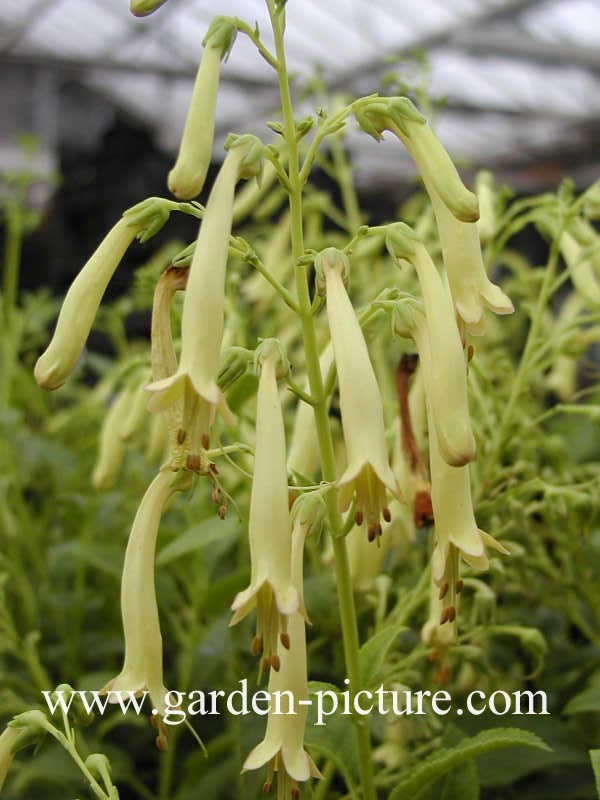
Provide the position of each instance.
(141, 8)
(368, 474)
(187, 177)
(81, 302)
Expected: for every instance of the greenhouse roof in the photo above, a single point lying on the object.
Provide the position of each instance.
(519, 77)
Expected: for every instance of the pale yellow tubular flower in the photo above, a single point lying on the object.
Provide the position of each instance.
(8, 740)
(448, 388)
(368, 475)
(468, 281)
(437, 169)
(303, 457)
(143, 664)
(80, 307)
(110, 448)
(203, 307)
(187, 177)
(271, 588)
(456, 530)
(456, 208)
(141, 8)
(283, 746)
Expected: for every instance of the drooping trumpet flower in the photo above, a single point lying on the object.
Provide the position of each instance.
(271, 588)
(83, 298)
(187, 177)
(456, 208)
(368, 475)
(283, 746)
(143, 664)
(194, 383)
(448, 385)
(456, 531)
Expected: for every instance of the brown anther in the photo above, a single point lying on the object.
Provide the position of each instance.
(216, 495)
(154, 721)
(459, 585)
(257, 645)
(470, 352)
(423, 509)
(387, 514)
(275, 662)
(432, 655)
(266, 787)
(443, 590)
(359, 517)
(213, 468)
(193, 463)
(181, 436)
(451, 613)
(205, 441)
(266, 663)
(285, 640)
(161, 743)
(444, 616)
(222, 512)
(295, 793)
(372, 532)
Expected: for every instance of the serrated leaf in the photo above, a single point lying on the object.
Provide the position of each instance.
(443, 761)
(588, 700)
(374, 651)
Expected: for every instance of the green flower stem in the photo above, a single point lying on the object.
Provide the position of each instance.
(328, 466)
(71, 749)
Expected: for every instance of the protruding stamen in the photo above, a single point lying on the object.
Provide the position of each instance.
(257, 645)
(285, 640)
(359, 517)
(275, 662)
(181, 434)
(374, 531)
(470, 352)
(387, 514)
(451, 613)
(222, 512)
(444, 589)
(205, 441)
(266, 787)
(459, 585)
(193, 463)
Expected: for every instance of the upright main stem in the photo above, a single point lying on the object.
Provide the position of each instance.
(328, 466)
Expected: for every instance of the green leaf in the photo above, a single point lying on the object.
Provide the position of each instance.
(462, 782)
(588, 700)
(595, 758)
(374, 651)
(209, 532)
(443, 761)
